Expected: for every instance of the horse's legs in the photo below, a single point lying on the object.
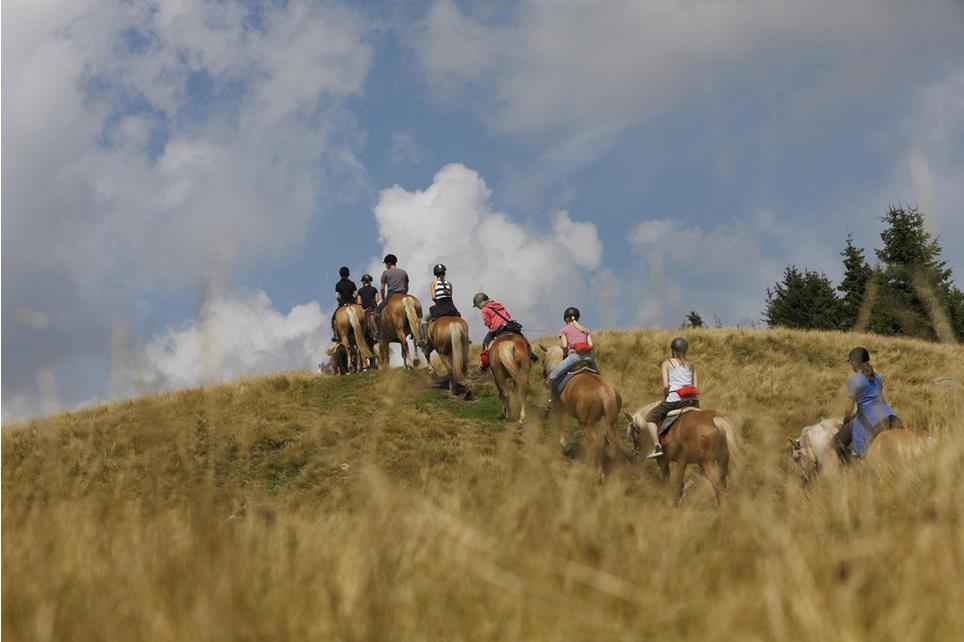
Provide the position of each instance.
(500, 384)
(676, 481)
(403, 341)
(557, 419)
(595, 447)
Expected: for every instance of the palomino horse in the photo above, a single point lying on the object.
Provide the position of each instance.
(348, 324)
(449, 337)
(587, 398)
(889, 447)
(701, 437)
(509, 362)
(401, 317)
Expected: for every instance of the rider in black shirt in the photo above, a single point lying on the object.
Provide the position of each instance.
(345, 295)
(367, 294)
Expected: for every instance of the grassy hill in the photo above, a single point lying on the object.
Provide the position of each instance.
(304, 507)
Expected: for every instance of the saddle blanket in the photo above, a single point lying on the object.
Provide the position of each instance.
(572, 373)
(671, 418)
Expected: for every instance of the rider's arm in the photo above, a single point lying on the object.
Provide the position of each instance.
(589, 339)
(565, 343)
(849, 412)
(431, 290)
(696, 383)
(665, 368)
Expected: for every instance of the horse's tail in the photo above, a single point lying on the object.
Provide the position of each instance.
(511, 364)
(612, 404)
(457, 337)
(363, 352)
(726, 428)
(413, 320)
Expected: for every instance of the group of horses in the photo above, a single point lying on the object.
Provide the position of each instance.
(703, 437)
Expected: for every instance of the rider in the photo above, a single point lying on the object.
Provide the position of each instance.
(367, 295)
(442, 296)
(495, 317)
(679, 388)
(345, 295)
(394, 281)
(577, 346)
(498, 320)
(865, 390)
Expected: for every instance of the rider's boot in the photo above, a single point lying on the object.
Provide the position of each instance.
(656, 452)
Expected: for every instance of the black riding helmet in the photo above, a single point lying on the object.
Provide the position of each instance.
(438, 270)
(679, 345)
(343, 272)
(570, 313)
(366, 278)
(390, 259)
(858, 356)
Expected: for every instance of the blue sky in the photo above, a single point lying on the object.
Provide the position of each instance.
(181, 183)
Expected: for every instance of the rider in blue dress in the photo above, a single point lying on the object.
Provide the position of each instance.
(873, 414)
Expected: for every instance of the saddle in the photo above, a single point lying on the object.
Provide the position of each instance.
(572, 373)
(671, 418)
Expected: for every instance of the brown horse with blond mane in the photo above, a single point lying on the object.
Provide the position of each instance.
(510, 365)
(401, 317)
(449, 337)
(348, 325)
(703, 437)
(587, 398)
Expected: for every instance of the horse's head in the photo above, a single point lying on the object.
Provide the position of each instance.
(551, 357)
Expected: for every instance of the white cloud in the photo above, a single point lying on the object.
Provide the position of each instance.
(574, 65)
(233, 336)
(536, 274)
(155, 147)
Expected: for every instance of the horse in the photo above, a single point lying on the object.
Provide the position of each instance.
(813, 450)
(509, 361)
(348, 325)
(703, 437)
(401, 317)
(587, 398)
(449, 337)
(890, 447)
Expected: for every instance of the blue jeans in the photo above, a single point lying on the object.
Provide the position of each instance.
(571, 360)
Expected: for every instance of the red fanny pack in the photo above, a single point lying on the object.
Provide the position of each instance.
(582, 348)
(484, 357)
(688, 391)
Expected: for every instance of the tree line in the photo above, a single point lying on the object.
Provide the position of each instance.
(909, 290)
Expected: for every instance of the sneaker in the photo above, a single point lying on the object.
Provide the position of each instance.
(657, 452)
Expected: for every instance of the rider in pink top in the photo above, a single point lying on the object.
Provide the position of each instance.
(572, 334)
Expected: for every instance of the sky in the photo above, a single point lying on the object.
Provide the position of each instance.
(182, 180)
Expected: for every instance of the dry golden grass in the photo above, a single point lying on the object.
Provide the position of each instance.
(303, 507)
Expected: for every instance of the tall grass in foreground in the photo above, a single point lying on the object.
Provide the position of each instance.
(297, 507)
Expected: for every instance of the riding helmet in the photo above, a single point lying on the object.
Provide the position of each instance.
(438, 270)
(679, 345)
(570, 313)
(367, 278)
(479, 299)
(343, 272)
(390, 259)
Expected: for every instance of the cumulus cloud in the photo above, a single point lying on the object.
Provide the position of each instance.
(535, 273)
(234, 335)
(155, 147)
